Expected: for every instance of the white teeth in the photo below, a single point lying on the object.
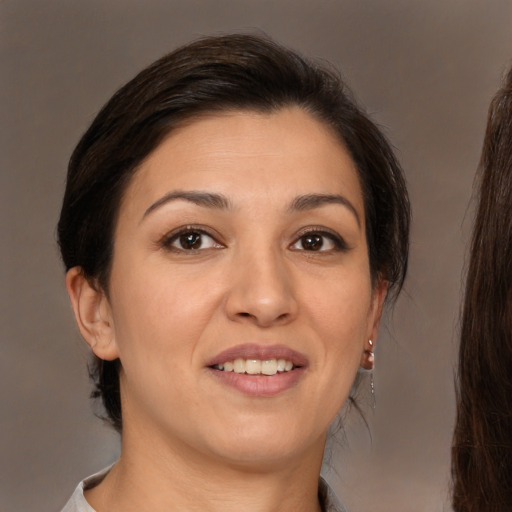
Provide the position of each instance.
(256, 366)
(239, 366)
(269, 367)
(253, 366)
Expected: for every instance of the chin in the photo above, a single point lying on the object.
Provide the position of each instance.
(266, 446)
(261, 459)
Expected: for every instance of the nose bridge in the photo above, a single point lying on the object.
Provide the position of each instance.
(262, 286)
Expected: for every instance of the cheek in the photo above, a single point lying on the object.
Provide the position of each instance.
(158, 320)
(341, 307)
(161, 316)
(338, 314)
(340, 317)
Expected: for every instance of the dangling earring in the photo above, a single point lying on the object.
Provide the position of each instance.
(371, 363)
(372, 388)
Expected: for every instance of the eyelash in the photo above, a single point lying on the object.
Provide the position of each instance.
(339, 244)
(169, 239)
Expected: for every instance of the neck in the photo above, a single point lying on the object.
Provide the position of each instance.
(151, 475)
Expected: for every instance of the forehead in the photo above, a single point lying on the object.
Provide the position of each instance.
(243, 153)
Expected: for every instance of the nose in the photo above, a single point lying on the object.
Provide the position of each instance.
(261, 290)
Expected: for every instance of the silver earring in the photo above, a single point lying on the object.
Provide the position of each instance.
(371, 359)
(372, 388)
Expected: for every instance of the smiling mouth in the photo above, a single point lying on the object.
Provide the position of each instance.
(267, 367)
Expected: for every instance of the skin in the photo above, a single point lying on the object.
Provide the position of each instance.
(189, 441)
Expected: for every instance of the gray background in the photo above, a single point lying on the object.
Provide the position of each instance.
(426, 70)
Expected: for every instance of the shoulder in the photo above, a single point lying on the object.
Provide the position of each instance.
(77, 502)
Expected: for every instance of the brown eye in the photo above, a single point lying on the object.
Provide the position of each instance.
(312, 242)
(190, 241)
(319, 241)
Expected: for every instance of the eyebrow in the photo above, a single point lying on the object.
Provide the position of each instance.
(219, 202)
(311, 201)
(205, 199)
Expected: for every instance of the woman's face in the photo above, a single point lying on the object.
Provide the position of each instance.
(240, 247)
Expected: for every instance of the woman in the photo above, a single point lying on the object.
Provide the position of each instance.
(231, 228)
(482, 447)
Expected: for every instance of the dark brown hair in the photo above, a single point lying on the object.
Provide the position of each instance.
(215, 74)
(482, 444)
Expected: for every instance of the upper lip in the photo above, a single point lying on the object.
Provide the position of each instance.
(260, 352)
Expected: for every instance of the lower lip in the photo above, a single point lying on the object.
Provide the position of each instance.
(259, 385)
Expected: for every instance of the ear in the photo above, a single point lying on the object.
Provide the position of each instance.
(92, 314)
(375, 314)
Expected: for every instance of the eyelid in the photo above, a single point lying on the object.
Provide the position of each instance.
(168, 238)
(337, 239)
